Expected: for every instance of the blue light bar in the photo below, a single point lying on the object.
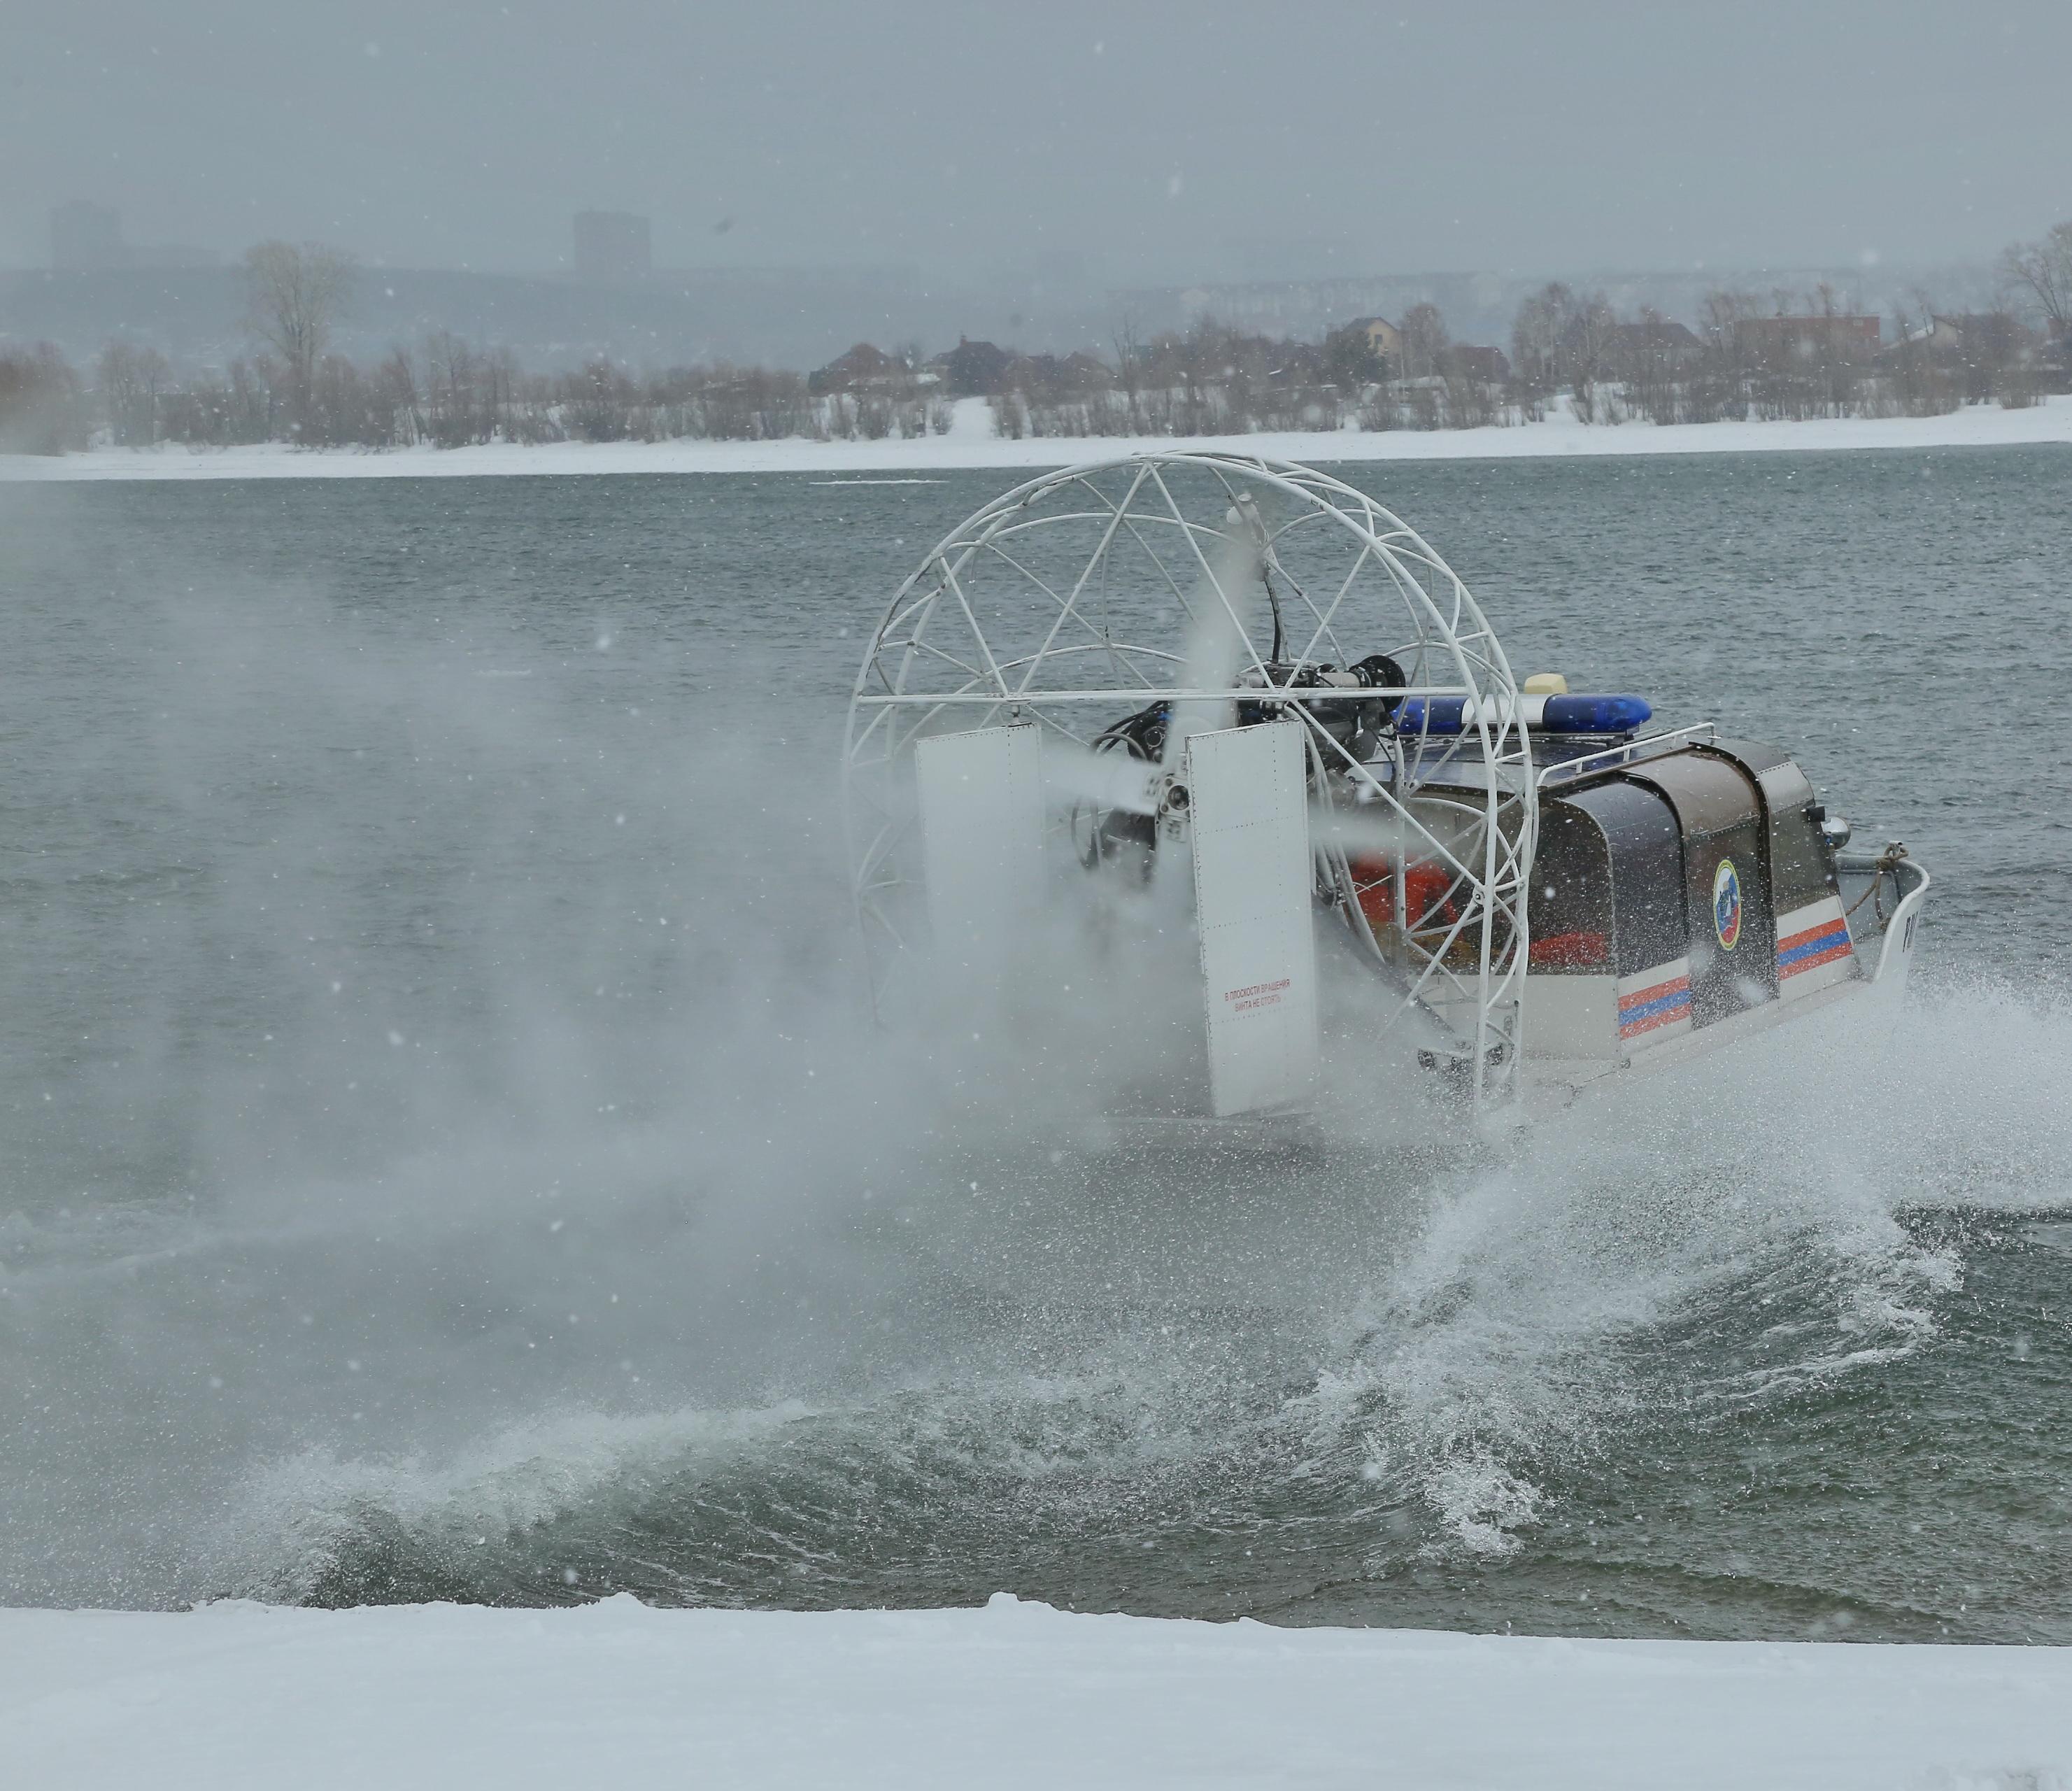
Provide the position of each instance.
(1576, 714)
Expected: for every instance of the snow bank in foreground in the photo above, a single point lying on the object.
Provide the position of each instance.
(1015, 1695)
(969, 446)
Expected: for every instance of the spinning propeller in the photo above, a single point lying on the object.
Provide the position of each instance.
(1115, 777)
(1050, 602)
(1233, 822)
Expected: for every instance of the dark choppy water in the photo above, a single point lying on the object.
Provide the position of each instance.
(441, 1160)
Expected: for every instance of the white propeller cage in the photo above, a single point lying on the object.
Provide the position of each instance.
(1066, 602)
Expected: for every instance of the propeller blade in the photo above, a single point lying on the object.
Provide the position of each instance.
(1215, 646)
(1116, 779)
(1364, 833)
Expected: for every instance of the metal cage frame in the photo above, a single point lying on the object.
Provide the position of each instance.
(932, 666)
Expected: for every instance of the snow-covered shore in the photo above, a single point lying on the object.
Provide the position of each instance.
(971, 443)
(1015, 1695)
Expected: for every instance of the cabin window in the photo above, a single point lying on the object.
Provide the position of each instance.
(1571, 910)
(1645, 874)
(1800, 866)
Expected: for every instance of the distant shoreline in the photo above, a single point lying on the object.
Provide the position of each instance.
(969, 445)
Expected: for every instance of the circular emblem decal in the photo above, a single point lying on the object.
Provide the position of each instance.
(1727, 904)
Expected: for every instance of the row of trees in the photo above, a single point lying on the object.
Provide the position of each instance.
(1779, 356)
(446, 393)
(1213, 380)
(1751, 360)
(1772, 357)
(1792, 354)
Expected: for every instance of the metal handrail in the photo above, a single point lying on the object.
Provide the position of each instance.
(1651, 746)
(1250, 693)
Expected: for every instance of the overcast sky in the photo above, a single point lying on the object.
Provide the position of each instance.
(1149, 137)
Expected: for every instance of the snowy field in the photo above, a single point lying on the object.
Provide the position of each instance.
(1015, 1695)
(971, 443)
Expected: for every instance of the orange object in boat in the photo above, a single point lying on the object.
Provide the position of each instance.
(1571, 951)
(1425, 893)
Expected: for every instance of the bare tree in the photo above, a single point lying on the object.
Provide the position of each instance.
(1732, 361)
(1128, 361)
(1913, 384)
(131, 382)
(395, 386)
(1838, 357)
(1648, 361)
(1535, 342)
(295, 292)
(40, 407)
(1424, 340)
(1587, 334)
(2040, 274)
(1350, 361)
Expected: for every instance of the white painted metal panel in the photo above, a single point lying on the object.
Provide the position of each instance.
(982, 818)
(1655, 1005)
(1813, 949)
(1571, 1016)
(1249, 795)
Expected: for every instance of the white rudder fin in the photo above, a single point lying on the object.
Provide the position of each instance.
(982, 823)
(1248, 798)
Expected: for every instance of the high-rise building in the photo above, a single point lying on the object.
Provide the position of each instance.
(612, 248)
(86, 238)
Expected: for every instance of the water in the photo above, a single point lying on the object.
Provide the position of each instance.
(442, 1158)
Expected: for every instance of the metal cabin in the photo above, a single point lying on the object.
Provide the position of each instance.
(1696, 889)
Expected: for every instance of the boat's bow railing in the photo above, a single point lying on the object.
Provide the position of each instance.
(1883, 893)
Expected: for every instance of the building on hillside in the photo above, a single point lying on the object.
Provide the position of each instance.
(1987, 352)
(1660, 339)
(1382, 336)
(973, 370)
(1848, 334)
(863, 369)
(1998, 338)
(1470, 361)
(1997, 335)
(1055, 378)
(612, 248)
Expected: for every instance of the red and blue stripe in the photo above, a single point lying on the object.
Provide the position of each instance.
(1660, 1004)
(1822, 943)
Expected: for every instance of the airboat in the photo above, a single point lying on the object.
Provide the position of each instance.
(1237, 699)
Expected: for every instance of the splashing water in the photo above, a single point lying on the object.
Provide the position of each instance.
(475, 1183)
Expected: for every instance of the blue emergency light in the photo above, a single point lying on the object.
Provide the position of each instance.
(1563, 714)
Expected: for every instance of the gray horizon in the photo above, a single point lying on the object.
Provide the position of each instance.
(1082, 145)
